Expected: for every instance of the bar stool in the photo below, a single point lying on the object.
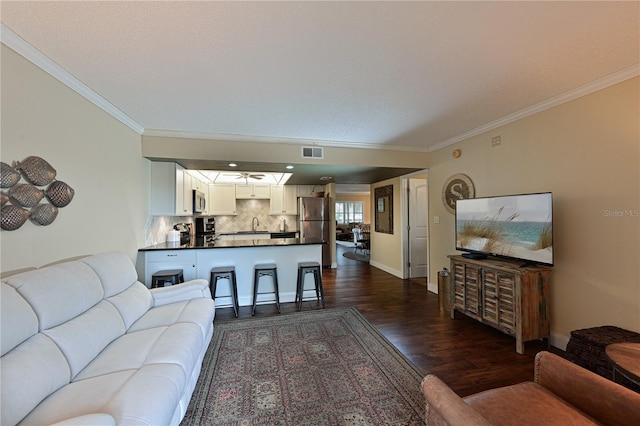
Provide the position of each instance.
(264, 270)
(305, 268)
(171, 276)
(225, 273)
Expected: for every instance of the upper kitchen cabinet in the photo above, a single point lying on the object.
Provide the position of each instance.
(171, 192)
(308, 190)
(251, 191)
(222, 199)
(283, 200)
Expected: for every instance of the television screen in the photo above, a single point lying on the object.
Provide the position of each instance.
(512, 226)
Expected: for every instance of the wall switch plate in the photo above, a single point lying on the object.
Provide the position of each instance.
(436, 219)
(496, 141)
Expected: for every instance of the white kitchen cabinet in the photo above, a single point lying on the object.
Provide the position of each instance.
(222, 199)
(307, 190)
(170, 191)
(161, 260)
(252, 191)
(283, 200)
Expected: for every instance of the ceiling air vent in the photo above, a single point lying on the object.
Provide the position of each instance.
(311, 152)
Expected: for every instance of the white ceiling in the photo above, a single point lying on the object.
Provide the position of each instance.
(411, 75)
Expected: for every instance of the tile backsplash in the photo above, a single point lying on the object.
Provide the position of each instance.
(247, 210)
(158, 227)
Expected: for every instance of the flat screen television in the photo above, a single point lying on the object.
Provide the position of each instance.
(518, 227)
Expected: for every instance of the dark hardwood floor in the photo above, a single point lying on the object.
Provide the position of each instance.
(468, 356)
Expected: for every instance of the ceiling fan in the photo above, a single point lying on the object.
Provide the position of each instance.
(247, 175)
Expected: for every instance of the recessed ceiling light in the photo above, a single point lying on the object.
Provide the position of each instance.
(233, 165)
(289, 167)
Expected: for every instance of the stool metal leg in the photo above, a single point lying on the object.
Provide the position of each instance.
(256, 278)
(275, 285)
(318, 274)
(234, 285)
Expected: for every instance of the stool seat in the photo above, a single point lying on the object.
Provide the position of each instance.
(263, 270)
(171, 276)
(225, 273)
(305, 268)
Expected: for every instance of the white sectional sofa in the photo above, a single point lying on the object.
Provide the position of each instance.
(85, 343)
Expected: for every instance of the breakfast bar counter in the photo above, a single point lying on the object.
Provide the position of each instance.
(196, 259)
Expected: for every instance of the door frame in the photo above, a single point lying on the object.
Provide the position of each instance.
(404, 200)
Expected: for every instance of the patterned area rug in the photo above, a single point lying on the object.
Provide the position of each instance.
(356, 256)
(324, 367)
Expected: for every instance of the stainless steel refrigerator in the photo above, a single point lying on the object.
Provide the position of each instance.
(314, 215)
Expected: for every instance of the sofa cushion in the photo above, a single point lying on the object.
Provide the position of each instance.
(115, 270)
(84, 337)
(30, 372)
(18, 321)
(196, 311)
(526, 404)
(132, 303)
(147, 396)
(48, 291)
(161, 345)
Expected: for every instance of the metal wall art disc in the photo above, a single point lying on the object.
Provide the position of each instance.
(457, 187)
(10, 176)
(13, 217)
(37, 172)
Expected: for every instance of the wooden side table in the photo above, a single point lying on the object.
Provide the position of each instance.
(625, 358)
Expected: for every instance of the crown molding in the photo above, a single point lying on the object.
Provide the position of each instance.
(26, 50)
(227, 137)
(594, 86)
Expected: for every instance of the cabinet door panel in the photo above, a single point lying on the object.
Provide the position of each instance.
(490, 296)
(222, 199)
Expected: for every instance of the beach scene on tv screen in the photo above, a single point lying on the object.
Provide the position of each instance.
(512, 226)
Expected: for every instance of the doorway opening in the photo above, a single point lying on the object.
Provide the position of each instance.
(415, 236)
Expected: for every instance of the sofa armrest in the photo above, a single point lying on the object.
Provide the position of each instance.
(602, 399)
(180, 292)
(444, 407)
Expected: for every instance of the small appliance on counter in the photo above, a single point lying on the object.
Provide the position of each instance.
(173, 236)
(185, 232)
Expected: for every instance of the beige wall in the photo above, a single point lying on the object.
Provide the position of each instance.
(386, 249)
(587, 152)
(91, 151)
(362, 198)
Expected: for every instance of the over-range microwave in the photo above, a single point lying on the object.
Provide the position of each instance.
(199, 202)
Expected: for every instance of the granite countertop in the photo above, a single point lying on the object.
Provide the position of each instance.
(271, 242)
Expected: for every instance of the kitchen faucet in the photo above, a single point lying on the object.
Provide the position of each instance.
(254, 224)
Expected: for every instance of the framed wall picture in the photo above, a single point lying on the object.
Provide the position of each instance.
(384, 209)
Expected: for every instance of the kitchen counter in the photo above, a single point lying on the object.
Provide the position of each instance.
(197, 259)
(248, 242)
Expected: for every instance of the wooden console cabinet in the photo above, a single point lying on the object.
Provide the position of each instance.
(504, 295)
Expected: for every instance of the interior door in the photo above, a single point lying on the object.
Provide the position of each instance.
(418, 228)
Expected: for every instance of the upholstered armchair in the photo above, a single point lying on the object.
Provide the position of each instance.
(561, 393)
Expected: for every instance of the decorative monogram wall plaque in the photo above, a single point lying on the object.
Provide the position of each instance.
(457, 187)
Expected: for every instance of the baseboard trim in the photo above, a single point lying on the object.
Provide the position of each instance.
(559, 341)
(386, 268)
